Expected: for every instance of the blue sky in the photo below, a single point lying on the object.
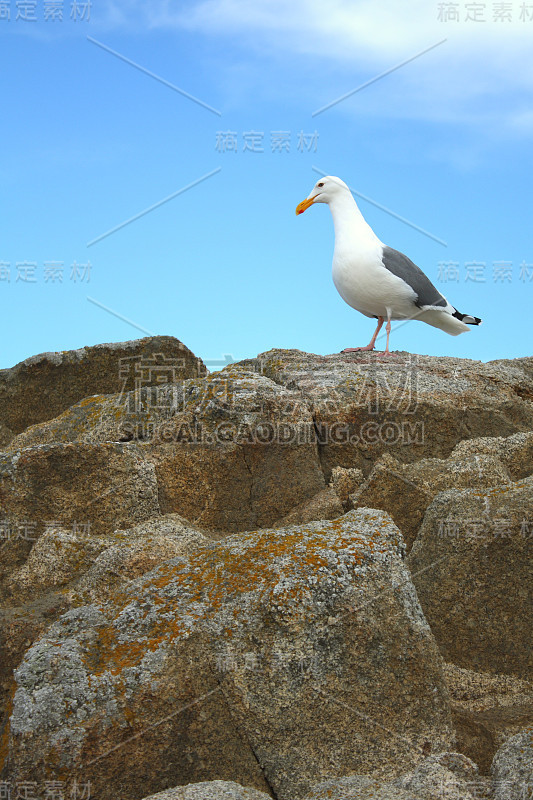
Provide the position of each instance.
(89, 141)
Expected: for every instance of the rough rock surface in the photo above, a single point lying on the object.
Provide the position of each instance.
(131, 553)
(230, 453)
(444, 776)
(410, 406)
(274, 658)
(512, 768)
(68, 568)
(357, 787)
(515, 452)
(406, 490)
(43, 386)
(99, 486)
(6, 436)
(472, 565)
(525, 364)
(324, 505)
(210, 790)
(96, 565)
(99, 418)
(54, 560)
(240, 454)
(143, 648)
(345, 481)
(141, 414)
(244, 447)
(487, 710)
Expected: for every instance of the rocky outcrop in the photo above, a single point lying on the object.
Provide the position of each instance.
(187, 603)
(512, 768)
(409, 406)
(487, 709)
(210, 790)
(345, 481)
(281, 657)
(240, 454)
(324, 505)
(43, 386)
(97, 487)
(94, 566)
(449, 775)
(472, 568)
(514, 452)
(229, 453)
(67, 568)
(358, 787)
(6, 436)
(244, 447)
(444, 775)
(406, 490)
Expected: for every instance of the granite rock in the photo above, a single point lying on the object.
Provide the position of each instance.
(43, 386)
(409, 406)
(487, 710)
(240, 454)
(515, 452)
(512, 768)
(210, 790)
(472, 567)
(443, 776)
(140, 648)
(244, 447)
(345, 481)
(274, 658)
(324, 505)
(230, 453)
(6, 436)
(406, 490)
(357, 787)
(69, 568)
(100, 487)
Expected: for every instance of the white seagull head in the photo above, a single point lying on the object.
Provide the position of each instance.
(324, 191)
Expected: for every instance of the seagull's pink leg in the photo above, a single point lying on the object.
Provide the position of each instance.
(370, 345)
(388, 326)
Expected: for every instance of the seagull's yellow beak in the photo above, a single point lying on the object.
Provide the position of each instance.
(301, 207)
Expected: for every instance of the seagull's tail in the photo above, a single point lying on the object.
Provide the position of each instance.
(448, 319)
(467, 318)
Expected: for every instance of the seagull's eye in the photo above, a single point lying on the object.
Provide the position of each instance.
(320, 185)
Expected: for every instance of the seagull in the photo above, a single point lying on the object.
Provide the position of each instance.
(376, 280)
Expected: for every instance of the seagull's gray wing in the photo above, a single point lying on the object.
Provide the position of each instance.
(403, 267)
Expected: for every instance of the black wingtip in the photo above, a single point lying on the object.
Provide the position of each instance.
(467, 318)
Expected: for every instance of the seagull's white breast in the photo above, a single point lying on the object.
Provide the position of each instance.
(359, 275)
(366, 285)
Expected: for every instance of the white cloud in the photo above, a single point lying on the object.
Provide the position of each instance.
(473, 78)
(350, 30)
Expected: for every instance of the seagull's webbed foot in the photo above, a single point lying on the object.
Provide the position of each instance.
(357, 349)
(372, 342)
